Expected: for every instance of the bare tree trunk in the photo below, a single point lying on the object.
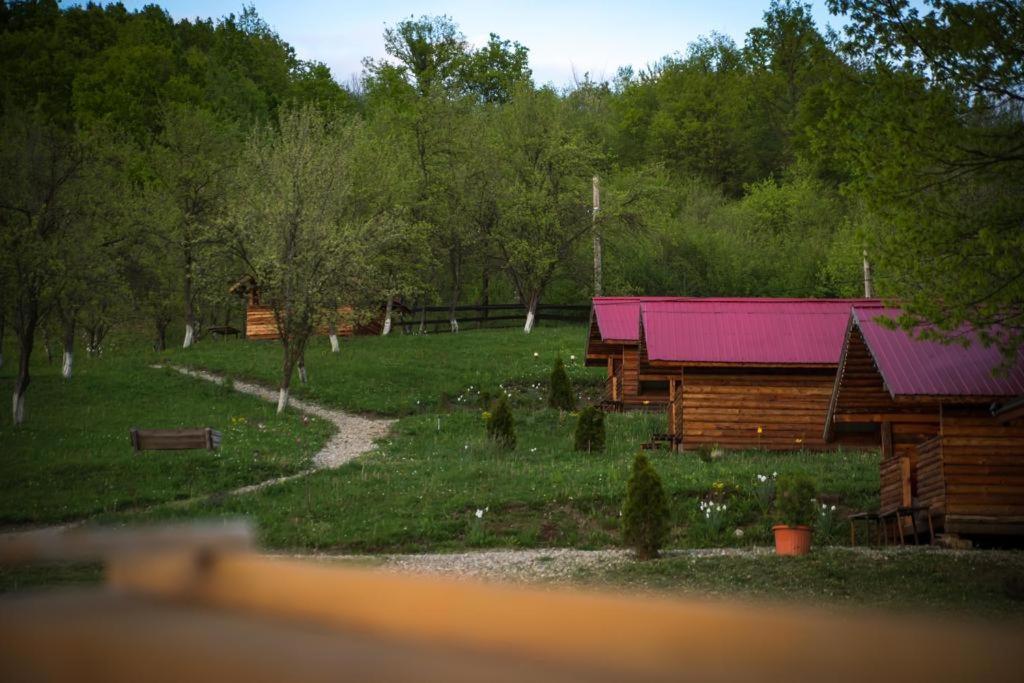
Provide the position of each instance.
(303, 377)
(598, 258)
(868, 289)
(456, 267)
(69, 347)
(485, 296)
(286, 381)
(2, 330)
(423, 317)
(386, 330)
(190, 310)
(47, 347)
(26, 338)
(531, 312)
(332, 334)
(161, 335)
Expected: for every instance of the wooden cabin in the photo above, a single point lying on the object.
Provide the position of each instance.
(613, 343)
(747, 373)
(260, 323)
(951, 432)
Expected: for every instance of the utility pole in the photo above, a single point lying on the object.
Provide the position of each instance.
(868, 290)
(597, 236)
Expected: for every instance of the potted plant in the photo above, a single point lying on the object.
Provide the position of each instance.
(794, 507)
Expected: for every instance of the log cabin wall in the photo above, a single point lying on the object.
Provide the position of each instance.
(260, 323)
(863, 399)
(982, 471)
(742, 407)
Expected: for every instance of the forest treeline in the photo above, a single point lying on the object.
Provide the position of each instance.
(148, 164)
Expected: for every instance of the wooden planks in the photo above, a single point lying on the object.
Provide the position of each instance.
(260, 323)
(204, 438)
(741, 407)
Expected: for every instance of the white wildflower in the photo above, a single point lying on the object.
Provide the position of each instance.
(479, 513)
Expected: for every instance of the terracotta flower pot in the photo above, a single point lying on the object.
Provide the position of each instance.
(792, 540)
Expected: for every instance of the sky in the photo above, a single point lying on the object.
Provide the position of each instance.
(566, 39)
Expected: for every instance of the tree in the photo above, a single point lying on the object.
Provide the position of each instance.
(40, 206)
(293, 226)
(589, 435)
(560, 394)
(190, 162)
(645, 514)
(544, 202)
(501, 427)
(932, 136)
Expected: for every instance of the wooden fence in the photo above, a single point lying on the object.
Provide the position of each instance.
(436, 318)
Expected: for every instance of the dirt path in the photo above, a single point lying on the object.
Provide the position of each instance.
(355, 434)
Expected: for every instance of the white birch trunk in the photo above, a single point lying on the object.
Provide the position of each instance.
(18, 408)
(528, 327)
(454, 324)
(282, 400)
(335, 348)
(190, 335)
(386, 330)
(302, 374)
(69, 361)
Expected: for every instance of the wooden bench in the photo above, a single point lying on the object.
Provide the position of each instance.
(174, 439)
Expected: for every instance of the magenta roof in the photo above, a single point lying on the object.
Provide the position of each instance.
(763, 331)
(618, 317)
(918, 367)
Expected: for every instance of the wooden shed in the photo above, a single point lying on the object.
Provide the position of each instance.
(951, 432)
(747, 373)
(613, 343)
(260, 323)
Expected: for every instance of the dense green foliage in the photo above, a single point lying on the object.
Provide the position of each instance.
(140, 155)
(589, 435)
(645, 514)
(795, 500)
(560, 393)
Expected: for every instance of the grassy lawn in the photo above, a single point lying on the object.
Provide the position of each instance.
(422, 490)
(407, 374)
(72, 457)
(983, 583)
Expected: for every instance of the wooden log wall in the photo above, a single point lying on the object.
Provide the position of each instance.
(931, 482)
(983, 473)
(896, 487)
(861, 398)
(260, 323)
(774, 409)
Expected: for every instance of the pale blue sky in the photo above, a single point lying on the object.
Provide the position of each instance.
(592, 36)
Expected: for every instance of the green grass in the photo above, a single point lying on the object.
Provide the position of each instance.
(72, 457)
(984, 583)
(53, 575)
(407, 374)
(422, 489)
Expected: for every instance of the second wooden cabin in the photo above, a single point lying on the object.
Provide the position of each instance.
(951, 431)
(747, 373)
(613, 343)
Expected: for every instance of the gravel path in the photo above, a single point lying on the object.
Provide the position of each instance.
(355, 434)
(535, 565)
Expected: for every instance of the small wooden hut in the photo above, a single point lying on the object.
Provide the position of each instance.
(747, 373)
(613, 343)
(260, 323)
(951, 432)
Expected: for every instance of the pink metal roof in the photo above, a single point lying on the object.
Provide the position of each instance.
(618, 317)
(912, 366)
(763, 331)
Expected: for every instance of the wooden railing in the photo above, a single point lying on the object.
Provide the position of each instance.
(496, 315)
